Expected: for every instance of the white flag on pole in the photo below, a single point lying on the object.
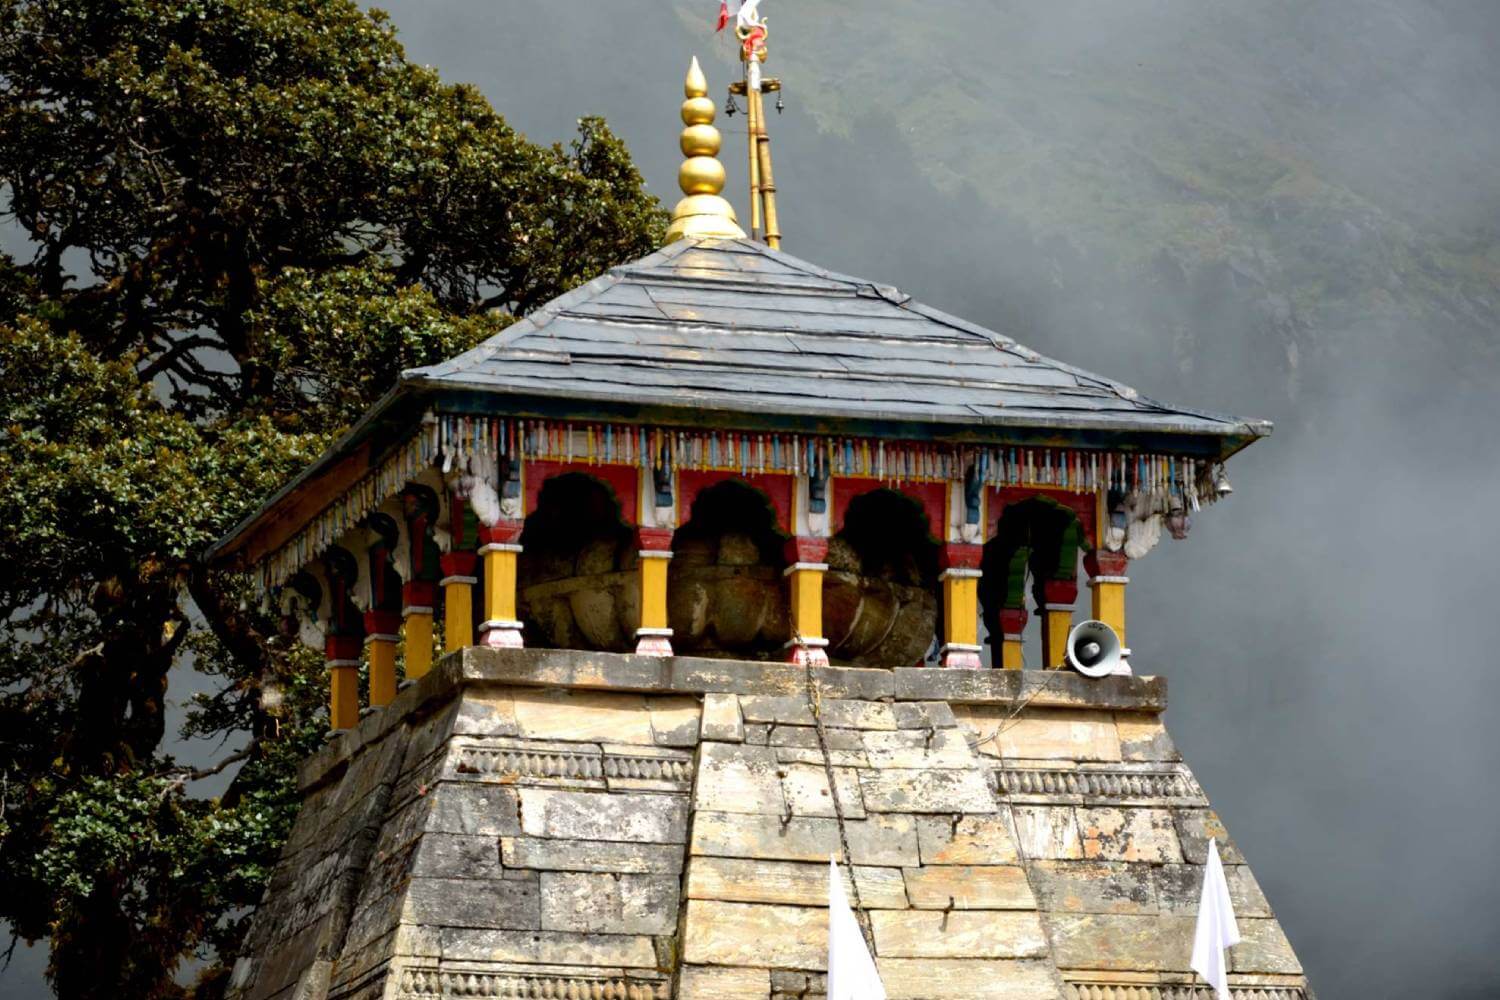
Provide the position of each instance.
(851, 970)
(1216, 927)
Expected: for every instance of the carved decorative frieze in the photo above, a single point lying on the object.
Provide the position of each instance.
(443, 984)
(1114, 784)
(1178, 991)
(550, 766)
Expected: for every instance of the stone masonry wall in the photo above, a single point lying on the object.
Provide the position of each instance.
(544, 824)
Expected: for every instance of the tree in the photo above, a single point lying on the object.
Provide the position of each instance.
(247, 217)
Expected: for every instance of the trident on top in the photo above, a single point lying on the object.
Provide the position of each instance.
(750, 28)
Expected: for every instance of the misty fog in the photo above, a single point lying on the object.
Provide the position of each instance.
(1325, 630)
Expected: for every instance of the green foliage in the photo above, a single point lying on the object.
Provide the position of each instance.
(247, 217)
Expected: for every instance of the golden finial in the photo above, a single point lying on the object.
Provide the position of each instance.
(702, 213)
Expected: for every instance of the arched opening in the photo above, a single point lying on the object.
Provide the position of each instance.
(1036, 544)
(725, 595)
(880, 605)
(576, 588)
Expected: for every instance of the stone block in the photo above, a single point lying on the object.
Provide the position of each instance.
(609, 903)
(485, 712)
(805, 790)
(425, 734)
(1178, 888)
(965, 840)
(965, 979)
(838, 713)
(1263, 948)
(886, 841)
(919, 748)
(838, 758)
(1137, 835)
(635, 817)
(1140, 943)
(721, 719)
(969, 887)
(583, 716)
(404, 825)
(456, 855)
(702, 982)
(924, 715)
(675, 721)
(926, 791)
(806, 737)
(1042, 733)
(1144, 737)
(793, 883)
(1044, 689)
(1047, 832)
(883, 841)
(1095, 887)
(591, 856)
(491, 903)
(739, 779)
(960, 934)
(782, 710)
(375, 920)
(743, 934)
(1195, 827)
(472, 808)
(787, 981)
(468, 944)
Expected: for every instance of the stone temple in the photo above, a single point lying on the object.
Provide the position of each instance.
(713, 568)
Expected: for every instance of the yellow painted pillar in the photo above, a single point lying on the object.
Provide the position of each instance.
(960, 579)
(458, 599)
(342, 653)
(806, 556)
(1057, 620)
(418, 598)
(501, 550)
(1012, 638)
(654, 636)
(381, 637)
(1107, 580)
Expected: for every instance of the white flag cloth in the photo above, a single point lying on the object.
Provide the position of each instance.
(1216, 927)
(851, 970)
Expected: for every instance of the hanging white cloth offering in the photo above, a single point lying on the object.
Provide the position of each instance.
(851, 970)
(1217, 929)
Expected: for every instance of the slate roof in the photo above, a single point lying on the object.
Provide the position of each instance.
(733, 333)
(735, 326)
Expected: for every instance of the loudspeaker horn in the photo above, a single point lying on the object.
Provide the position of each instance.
(1094, 650)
